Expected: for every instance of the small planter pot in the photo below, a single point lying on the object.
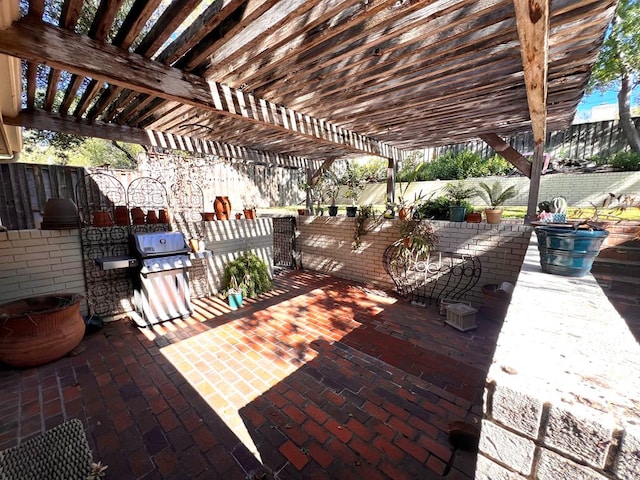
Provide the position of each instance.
(457, 213)
(493, 215)
(249, 214)
(235, 300)
(475, 217)
(568, 252)
(352, 211)
(333, 210)
(302, 211)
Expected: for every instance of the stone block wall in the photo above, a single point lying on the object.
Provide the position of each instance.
(326, 246)
(39, 262)
(561, 399)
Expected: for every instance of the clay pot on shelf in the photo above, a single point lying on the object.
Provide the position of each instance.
(164, 216)
(249, 214)
(152, 217)
(137, 215)
(238, 216)
(102, 219)
(121, 215)
(473, 217)
(222, 207)
(208, 216)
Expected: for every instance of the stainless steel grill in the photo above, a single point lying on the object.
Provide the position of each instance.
(161, 289)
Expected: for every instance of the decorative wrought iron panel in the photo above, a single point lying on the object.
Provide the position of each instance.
(436, 276)
(284, 241)
(99, 192)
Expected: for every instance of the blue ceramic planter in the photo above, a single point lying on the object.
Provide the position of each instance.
(568, 252)
(457, 213)
(235, 300)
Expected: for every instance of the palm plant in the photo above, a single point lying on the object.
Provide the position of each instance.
(494, 195)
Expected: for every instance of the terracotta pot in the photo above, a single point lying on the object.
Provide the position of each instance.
(238, 216)
(59, 214)
(121, 215)
(493, 215)
(137, 215)
(152, 218)
(208, 216)
(222, 207)
(164, 216)
(302, 211)
(38, 330)
(102, 219)
(402, 213)
(474, 217)
(249, 214)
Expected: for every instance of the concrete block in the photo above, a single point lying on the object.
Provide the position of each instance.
(552, 466)
(581, 432)
(628, 462)
(517, 410)
(507, 448)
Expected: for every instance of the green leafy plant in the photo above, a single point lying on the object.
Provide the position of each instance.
(354, 183)
(253, 272)
(458, 192)
(365, 213)
(626, 161)
(495, 195)
(417, 238)
(433, 208)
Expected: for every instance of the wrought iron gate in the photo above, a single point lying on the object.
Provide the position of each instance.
(284, 241)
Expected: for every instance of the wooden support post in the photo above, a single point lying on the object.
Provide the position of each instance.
(534, 183)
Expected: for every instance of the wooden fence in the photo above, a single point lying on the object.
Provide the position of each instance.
(581, 142)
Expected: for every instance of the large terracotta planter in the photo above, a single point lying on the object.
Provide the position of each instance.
(222, 207)
(38, 330)
(493, 215)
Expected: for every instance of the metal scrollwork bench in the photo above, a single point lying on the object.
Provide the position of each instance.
(429, 279)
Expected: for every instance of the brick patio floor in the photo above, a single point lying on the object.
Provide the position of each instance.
(319, 379)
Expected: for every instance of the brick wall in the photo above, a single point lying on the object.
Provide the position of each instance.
(326, 246)
(561, 398)
(38, 262)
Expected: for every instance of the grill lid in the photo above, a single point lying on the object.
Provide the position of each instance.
(155, 244)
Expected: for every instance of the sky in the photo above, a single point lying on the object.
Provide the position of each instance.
(596, 99)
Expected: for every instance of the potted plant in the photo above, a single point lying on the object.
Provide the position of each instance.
(234, 294)
(253, 272)
(495, 196)
(458, 193)
(403, 204)
(355, 186)
(417, 238)
(473, 216)
(332, 189)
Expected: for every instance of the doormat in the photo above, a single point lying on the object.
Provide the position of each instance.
(61, 453)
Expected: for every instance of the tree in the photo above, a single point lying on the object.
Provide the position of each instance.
(618, 65)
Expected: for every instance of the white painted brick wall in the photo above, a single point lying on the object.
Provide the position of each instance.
(39, 262)
(326, 246)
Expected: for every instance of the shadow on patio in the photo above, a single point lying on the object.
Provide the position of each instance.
(320, 379)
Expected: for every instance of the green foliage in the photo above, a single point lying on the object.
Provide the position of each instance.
(454, 166)
(253, 272)
(495, 195)
(619, 53)
(354, 181)
(409, 167)
(457, 192)
(627, 161)
(498, 165)
(434, 208)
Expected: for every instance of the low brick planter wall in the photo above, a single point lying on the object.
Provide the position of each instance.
(326, 246)
(562, 394)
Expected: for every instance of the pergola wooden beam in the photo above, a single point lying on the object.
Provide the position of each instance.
(532, 17)
(508, 152)
(57, 123)
(30, 39)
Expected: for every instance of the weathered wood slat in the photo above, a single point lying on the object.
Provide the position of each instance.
(100, 61)
(509, 153)
(32, 73)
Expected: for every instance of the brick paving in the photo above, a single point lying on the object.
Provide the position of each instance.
(318, 379)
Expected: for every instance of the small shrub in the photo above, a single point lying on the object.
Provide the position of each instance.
(498, 165)
(626, 161)
(435, 208)
(251, 272)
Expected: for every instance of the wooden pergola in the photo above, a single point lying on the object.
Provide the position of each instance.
(291, 81)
